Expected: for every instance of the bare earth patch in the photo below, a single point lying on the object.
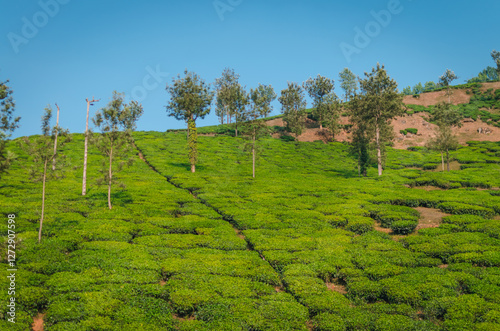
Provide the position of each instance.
(178, 318)
(279, 289)
(38, 322)
(239, 234)
(428, 188)
(337, 288)
(443, 266)
(163, 282)
(429, 217)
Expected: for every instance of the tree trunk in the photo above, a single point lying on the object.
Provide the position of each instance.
(448, 159)
(359, 162)
(43, 200)
(253, 156)
(84, 185)
(110, 174)
(192, 141)
(379, 153)
(55, 140)
(442, 161)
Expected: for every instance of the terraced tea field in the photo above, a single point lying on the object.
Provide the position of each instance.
(306, 245)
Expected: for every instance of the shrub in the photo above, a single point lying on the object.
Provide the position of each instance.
(328, 322)
(360, 225)
(404, 227)
(412, 130)
(462, 208)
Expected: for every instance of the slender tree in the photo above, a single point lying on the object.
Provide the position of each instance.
(418, 88)
(378, 103)
(429, 86)
(496, 57)
(239, 101)
(224, 88)
(116, 122)
(318, 88)
(41, 148)
(55, 140)
(293, 107)
(190, 99)
(407, 90)
(348, 83)
(332, 113)
(254, 125)
(8, 123)
(445, 80)
(87, 134)
(447, 117)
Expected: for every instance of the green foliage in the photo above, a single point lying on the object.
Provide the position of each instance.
(7, 124)
(318, 89)
(293, 107)
(348, 83)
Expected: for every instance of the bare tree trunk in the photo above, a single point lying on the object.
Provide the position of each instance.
(442, 161)
(84, 184)
(55, 140)
(253, 156)
(448, 159)
(379, 153)
(110, 174)
(43, 200)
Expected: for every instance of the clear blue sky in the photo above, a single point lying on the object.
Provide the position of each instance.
(83, 48)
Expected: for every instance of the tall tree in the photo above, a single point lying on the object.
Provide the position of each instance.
(445, 80)
(418, 88)
(55, 140)
(496, 57)
(87, 133)
(260, 107)
(7, 124)
(224, 88)
(190, 99)
(41, 148)
(239, 101)
(318, 88)
(348, 83)
(293, 106)
(332, 113)
(447, 117)
(116, 122)
(407, 90)
(429, 86)
(377, 104)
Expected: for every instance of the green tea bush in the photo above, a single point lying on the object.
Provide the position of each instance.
(403, 227)
(462, 208)
(360, 225)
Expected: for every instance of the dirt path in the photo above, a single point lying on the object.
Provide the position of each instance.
(429, 217)
(38, 322)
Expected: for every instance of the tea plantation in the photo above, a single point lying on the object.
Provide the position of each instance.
(306, 245)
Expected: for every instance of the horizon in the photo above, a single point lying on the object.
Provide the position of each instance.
(62, 51)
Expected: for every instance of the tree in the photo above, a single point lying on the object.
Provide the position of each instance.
(41, 148)
(293, 106)
(87, 134)
(260, 107)
(238, 104)
(418, 88)
(429, 86)
(318, 88)
(225, 94)
(378, 103)
(407, 90)
(348, 83)
(332, 113)
(55, 140)
(487, 75)
(190, 99)
(496, 57)
(445, 80)
(7, 124)
(446, 117)
(116, 122)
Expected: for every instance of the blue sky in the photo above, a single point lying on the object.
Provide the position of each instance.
(64, 51)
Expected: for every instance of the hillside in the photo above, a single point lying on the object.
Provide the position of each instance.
(307, 245)
(477, 129)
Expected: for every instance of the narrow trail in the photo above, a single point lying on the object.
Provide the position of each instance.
(238, 232)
